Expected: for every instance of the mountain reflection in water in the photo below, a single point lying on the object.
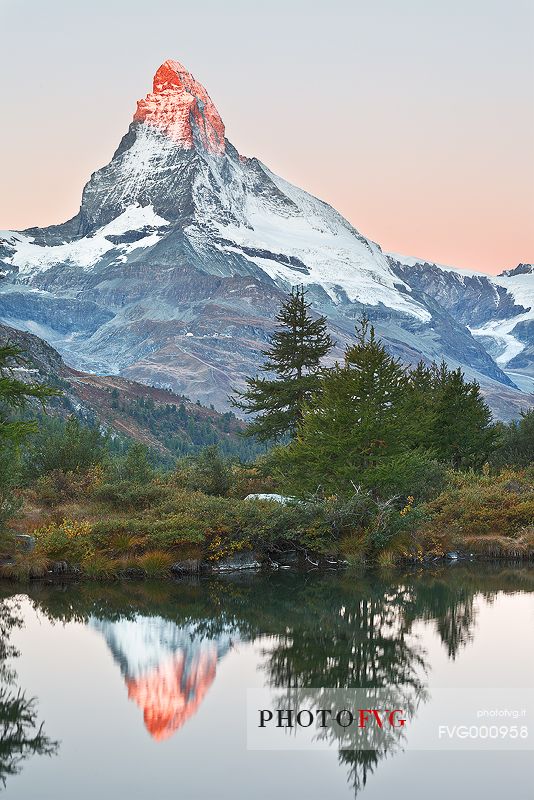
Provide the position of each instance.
(167, 669)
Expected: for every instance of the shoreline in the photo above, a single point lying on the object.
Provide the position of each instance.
(60, 572)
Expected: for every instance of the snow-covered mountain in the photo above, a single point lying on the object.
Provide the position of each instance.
(498, 310)
(172, 271)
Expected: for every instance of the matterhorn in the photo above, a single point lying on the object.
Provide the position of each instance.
(182, 250)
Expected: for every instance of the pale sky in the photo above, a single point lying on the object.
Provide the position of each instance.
(414, 118)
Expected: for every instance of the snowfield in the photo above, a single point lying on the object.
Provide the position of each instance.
(87, 251)
(335, 256)
(412, 261)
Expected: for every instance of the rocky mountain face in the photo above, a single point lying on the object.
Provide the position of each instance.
(497, 310)
(170, 424)
(172, 271)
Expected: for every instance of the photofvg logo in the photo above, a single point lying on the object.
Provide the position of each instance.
(388, 719)
(322, 717)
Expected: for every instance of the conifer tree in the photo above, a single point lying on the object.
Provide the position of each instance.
(66, 446)
(447, 416)
(462, 433)
(353, 425)
(294, 359)
(14, 396)
(137, 467)
(419, 412)
(516, 442)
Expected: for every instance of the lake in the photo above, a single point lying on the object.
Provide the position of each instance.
(141, 688)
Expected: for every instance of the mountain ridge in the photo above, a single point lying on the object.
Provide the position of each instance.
(498, 310)
(170, 424)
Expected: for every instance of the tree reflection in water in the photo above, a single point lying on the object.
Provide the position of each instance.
(335, 631)
(21, 735)
(357, 642)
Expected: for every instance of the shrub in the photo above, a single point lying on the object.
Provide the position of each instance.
(475, 507)
(69, 541)
(124, 494)
(395, 531)
(10, 500)
(250, 479)
(120, 536)
(57, 486)
(25, 566)
(516, 446)
(135, 467)
(64, 446)
(208, 472)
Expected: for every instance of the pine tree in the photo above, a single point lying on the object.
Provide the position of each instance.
(294, 358)
(137, 467)
(66, 446)
(447, 416)
(352, 426)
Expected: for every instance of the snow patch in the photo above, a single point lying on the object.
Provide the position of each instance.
(30, 257)
(521, 287)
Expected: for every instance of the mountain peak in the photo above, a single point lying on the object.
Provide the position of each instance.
(180, 107)
(521, 269)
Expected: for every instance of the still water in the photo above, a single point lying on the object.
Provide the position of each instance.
(141, 689)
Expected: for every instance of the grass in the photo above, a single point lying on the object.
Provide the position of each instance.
(99, 567)
(493, 546)
(155, 564)
(25, 566)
